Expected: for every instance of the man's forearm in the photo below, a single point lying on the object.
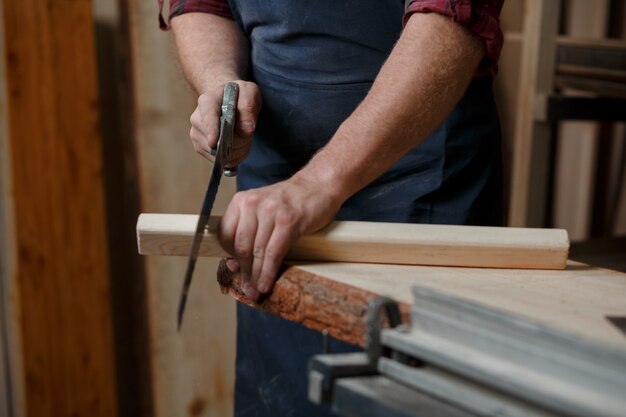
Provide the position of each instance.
(425, 75)
(211, 49)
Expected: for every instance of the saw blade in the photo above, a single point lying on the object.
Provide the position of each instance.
(224, 148)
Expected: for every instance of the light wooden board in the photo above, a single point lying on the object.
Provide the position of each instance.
(390, 243)
(334, 296)
(59, 289)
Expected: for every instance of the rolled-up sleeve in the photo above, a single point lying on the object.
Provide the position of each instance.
(481, 17)
(178, 7)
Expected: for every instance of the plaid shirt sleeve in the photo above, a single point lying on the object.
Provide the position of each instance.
(177, 7)
(482, 17)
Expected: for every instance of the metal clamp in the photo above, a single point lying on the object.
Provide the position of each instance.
(374, 323)
(325, 369)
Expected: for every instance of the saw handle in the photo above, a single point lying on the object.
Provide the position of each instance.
(226, 139)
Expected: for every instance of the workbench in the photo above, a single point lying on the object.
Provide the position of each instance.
(557, 338)
(458, 341)
(333, 296)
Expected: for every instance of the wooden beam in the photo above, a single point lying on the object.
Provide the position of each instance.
(334, 296)
(11, 386)
(128, 276)
(390, 243)
(532, 132)
(604, 54)
(59, 278)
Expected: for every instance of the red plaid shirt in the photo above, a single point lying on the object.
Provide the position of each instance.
(481, 17)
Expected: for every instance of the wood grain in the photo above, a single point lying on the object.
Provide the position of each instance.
(390, 243)
(532, 132)
(11, 387)
(128, 278)
(61, 274)
(334, 296)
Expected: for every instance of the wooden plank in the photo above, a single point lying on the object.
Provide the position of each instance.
(186, 381)
(576, 156)
(532, 132)
(334, 296)
(617, 211)
(11, 375)
(605, 54)
(600, 74)
(588, 85)
(60, 278)
(373, 242)
(128, 279)
(506, 84)
(585, 45)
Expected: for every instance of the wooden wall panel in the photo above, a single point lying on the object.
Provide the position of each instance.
(11, 385)
(193, 371)
(61, 267)
(128, 284)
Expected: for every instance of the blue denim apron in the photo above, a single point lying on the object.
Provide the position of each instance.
(314, 62)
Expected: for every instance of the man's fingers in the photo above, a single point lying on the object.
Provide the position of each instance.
(228, 227)
(248, 108)
(275, 251)
(277, 247)
(243, 246)
(200, 144)
(232, 265)
(239, 151)
(241, 232)
(264, 232)
(205, 125)
(246, 127)
(207, 120)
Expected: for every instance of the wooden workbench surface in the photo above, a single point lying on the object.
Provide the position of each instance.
(334, 296)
